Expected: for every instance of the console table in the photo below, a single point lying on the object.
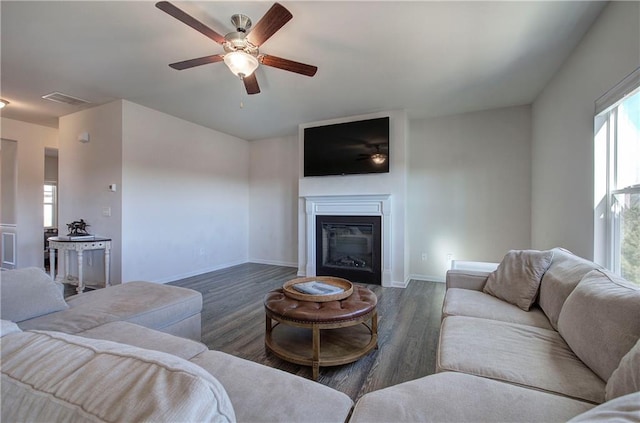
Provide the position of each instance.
(79, 246)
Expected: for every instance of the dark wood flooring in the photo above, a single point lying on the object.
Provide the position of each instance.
(233, 321)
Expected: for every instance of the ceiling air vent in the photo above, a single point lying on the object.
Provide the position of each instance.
(64, 98)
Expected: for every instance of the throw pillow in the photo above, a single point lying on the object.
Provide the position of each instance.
(28, 293)
(53, 376)
(517, 278)
(626, 378)
(7, 327)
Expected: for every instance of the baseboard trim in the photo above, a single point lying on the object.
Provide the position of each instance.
(199, 272)
(426, 278)
(274, 262)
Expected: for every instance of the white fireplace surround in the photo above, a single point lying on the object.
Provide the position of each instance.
(349, 205)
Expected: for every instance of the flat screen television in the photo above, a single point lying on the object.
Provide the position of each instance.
(347, 148)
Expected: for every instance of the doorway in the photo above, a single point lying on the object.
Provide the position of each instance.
(50, 199)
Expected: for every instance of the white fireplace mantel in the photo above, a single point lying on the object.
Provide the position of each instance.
(349, 205)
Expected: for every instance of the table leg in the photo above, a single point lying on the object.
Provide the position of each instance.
(80, 281)
(316, 351)
(66, 265)
(268, 324)
(107, 255)
(52, 263)
(374, 326)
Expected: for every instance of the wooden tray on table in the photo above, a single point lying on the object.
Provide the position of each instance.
(291, 292)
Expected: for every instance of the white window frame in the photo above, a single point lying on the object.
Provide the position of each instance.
(54, 203)
(607, 225)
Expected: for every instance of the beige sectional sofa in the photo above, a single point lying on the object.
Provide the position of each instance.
(542, 339)
(113, 355)
(575, 353)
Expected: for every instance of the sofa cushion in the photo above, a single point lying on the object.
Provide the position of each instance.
(518, 354)
(456, 397)
(518, 276)
(148, 304)
(626, 378)
(263, 394)
(51, 376)
(559, 280)
(28, 293)
(466, 302)
(624, 409)
(600, 320)
(139, 336)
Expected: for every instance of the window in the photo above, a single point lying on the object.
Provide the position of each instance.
(617, 183)
(50, 205)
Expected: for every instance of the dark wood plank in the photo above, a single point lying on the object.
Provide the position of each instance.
(233, 321)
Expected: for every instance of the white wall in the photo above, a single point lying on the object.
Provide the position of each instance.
(468, 190)
(32, 140)
(562, 122)
(273, 204)
(85, 171)
(185, 194)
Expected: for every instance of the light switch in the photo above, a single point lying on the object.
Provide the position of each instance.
(113, 187)
(106, 211)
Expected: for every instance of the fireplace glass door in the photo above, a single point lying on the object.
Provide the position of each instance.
(349, 247)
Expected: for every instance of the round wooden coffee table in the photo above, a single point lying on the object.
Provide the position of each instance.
(296, 336)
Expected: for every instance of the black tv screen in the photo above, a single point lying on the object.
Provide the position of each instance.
(347, 148)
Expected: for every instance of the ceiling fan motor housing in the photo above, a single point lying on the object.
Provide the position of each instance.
(237, 40)
(242, 23)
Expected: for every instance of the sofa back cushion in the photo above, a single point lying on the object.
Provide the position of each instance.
(626, 378)
(52, 376)
(601, 320)
(27, 293)
(559, 280)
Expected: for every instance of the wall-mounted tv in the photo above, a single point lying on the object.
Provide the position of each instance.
(347, 148)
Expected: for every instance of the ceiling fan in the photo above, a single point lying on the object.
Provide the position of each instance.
(241, 46)
(378, 157)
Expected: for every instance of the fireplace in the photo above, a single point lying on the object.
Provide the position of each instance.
(349, 247)
(351, 206)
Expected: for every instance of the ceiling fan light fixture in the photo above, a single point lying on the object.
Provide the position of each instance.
(240, 63)
(378, 158)
(3, 103)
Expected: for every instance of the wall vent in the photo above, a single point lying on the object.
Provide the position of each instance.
(65, 98)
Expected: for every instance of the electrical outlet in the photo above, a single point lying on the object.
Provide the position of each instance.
(424, 256)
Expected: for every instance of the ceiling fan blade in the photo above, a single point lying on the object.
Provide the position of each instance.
(170, 9)
(271, 22)
(251, 84)
(186, 64)
(288, 65)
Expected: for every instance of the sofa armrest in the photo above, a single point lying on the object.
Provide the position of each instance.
(466, 279)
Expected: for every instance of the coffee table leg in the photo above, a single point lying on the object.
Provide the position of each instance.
(316, 351)
(374, 326)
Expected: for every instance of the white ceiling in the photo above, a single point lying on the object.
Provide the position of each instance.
(430, 58)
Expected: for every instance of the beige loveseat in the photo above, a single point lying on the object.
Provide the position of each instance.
(573, 354)
(110, 355)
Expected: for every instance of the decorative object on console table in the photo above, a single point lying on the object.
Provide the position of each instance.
(79, 246)
(78, 228)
